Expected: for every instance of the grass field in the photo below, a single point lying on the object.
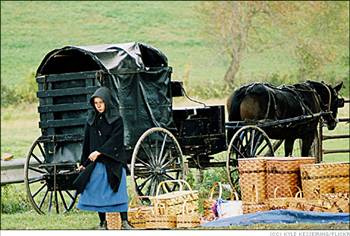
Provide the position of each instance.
(89, 221)
(19, 128)
(29, 30)
(32, 29)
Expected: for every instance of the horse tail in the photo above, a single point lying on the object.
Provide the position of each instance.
(234, 102)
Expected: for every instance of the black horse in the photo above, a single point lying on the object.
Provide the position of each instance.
(262, 101)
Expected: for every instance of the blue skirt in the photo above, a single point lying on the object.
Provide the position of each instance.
(99, 196)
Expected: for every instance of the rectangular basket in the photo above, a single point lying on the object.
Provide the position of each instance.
(254, 207)
(188, 218)
(173, 201)
(324, 178)
(113, 220)
(160, 218)
(285, 202)
(138, 212)
(252, 172)
(340, 201)
(284, 173)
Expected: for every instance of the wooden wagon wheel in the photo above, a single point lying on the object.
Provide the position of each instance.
(42, 190)
(157, 156)
(247, 142)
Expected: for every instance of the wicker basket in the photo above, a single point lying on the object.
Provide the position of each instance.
(208, 204)
(324, 178)
(208, 214)
(252, 173)
(113, 220)
(138, 213)
(340, 201)
(188, 218)
(160, 218)
(330, 202)
(283, 202)
(319, 205)
(284, 173)
(173, 201)
(255, 205)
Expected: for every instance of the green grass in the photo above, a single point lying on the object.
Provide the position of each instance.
(29, 30)
(89, 220)
(31, 220)
(19, 129)
(32, 29)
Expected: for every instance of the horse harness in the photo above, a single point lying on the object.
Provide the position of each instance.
(296, 90)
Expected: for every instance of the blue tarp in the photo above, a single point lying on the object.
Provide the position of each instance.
(281, 216)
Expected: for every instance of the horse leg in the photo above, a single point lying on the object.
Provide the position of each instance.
(288, 146)
(306, 145)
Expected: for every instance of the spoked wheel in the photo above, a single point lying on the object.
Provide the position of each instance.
(247, 142)
(42, 187)
(157, 156)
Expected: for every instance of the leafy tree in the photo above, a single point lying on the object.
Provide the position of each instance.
(317, 31)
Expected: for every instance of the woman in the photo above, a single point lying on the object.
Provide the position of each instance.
(102, 182)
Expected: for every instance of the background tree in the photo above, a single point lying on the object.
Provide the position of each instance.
(231, 22)
(317, 32)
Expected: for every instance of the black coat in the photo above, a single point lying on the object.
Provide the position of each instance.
(103, 133)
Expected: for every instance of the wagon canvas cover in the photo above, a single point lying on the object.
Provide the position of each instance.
(137, 74)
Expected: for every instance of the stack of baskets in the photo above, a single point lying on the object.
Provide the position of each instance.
(325, 187)
(261, 177)
(284, 173)
(252, 173)
(325, 178)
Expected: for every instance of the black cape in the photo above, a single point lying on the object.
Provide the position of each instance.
(104, 133)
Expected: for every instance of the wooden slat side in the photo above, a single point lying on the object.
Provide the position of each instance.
(62, 123)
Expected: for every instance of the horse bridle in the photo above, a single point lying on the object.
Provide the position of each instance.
(329, 96)
(339, 101)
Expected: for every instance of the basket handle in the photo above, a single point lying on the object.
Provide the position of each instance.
(179, 181)
(299, 194)
(236, 196)
(136, 198)
(317, 192)
(256, 193)
(233, 193)
(160, 206)
(213, 188)
(275, 192)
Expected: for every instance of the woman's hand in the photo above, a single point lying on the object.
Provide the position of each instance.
(81, 168)
(94, 155)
